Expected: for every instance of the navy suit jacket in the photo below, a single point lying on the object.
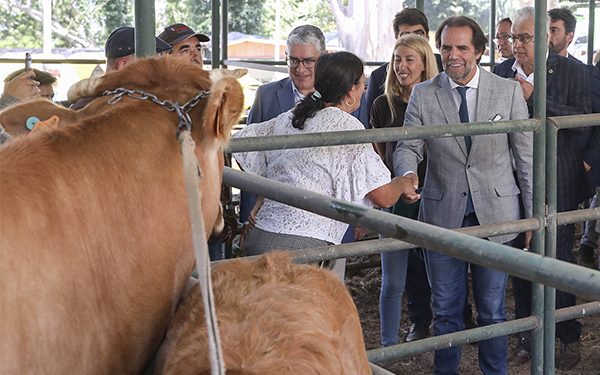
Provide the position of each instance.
(271, 100)
(568, 93)
(592, 151)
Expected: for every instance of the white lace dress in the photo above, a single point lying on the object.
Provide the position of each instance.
(347, 172)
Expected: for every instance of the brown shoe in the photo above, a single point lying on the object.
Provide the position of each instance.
(569, 356)
(519, 356)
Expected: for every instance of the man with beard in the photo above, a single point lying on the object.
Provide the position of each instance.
(568, 93)
(469, 181)
(561, 31)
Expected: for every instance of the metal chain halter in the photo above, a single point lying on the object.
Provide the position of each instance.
(182, 111)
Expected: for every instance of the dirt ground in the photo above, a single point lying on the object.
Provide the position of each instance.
(364, 286)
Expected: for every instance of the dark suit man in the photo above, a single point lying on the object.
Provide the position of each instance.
(271, 100)
(568, 93)
(408, 21)
(469, 180)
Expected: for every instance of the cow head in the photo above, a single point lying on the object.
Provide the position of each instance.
(212, 119)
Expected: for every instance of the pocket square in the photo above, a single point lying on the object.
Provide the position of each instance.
(498, 117)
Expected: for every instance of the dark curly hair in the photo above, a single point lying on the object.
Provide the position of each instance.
(335, 74)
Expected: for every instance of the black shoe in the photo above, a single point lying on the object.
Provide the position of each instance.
(518, 356)
(569, 356)
(417, 332)
(586, 256)
(521, 353)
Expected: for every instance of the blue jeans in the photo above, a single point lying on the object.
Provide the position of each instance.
(448, 277)
(393, 279)
(590, 236)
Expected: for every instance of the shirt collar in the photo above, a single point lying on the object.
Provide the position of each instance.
(517, 67)
(297, 95)
(473, 83)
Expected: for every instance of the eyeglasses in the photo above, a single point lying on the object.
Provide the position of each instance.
(416, 32)
(501, 37)
(523, 38)
(294, 62)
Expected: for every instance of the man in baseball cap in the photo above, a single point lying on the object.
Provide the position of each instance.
(120, 48)
(185, 42)
(119, 51)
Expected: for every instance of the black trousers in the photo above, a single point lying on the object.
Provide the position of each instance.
(570, 330)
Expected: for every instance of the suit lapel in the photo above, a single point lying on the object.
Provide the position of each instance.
(448, 105)
(285, 96)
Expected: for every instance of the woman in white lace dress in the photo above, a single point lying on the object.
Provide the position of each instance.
(353, 173)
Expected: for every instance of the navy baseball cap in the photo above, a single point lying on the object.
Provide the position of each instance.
(179, 32)
(121, 42)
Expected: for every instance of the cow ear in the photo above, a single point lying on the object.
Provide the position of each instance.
(14, 119)
(224, 107)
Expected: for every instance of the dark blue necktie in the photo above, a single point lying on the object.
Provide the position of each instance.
(463, 113)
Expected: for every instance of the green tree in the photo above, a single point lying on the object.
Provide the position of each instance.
(294, 13)
(17, 29)
(114, 14)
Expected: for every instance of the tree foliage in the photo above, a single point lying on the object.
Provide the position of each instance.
(17, 29)
(75, 23)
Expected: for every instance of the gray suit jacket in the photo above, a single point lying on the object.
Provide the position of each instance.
(486, 171)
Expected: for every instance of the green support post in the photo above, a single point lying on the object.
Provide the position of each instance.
(215, 39)
(591, 25)
(224, 30)
(492, 33)
(539, 336)
(420, 5)
(145, 44)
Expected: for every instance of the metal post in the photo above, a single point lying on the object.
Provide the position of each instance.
(216, 36)
(420, 5)
(145, 44)
(492, 33)
(224, 30)
(539, 190)
(591, 25)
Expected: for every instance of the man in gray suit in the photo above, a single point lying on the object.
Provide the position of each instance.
(469, 181)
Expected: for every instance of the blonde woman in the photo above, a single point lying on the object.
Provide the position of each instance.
(412, 62)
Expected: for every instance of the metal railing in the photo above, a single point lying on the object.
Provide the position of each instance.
(458, 243)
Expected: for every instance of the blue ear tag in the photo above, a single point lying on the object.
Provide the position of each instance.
(30, 122)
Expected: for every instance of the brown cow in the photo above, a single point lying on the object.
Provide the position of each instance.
(95, 239)
(274, 318)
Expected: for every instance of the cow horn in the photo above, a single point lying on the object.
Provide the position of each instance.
(217, 74)
(83, 88)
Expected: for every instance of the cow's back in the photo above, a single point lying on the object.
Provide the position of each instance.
(274, 318)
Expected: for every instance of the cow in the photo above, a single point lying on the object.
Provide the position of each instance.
(95, 238)
(274, 318)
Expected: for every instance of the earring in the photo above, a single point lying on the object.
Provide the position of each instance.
(351, 104)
